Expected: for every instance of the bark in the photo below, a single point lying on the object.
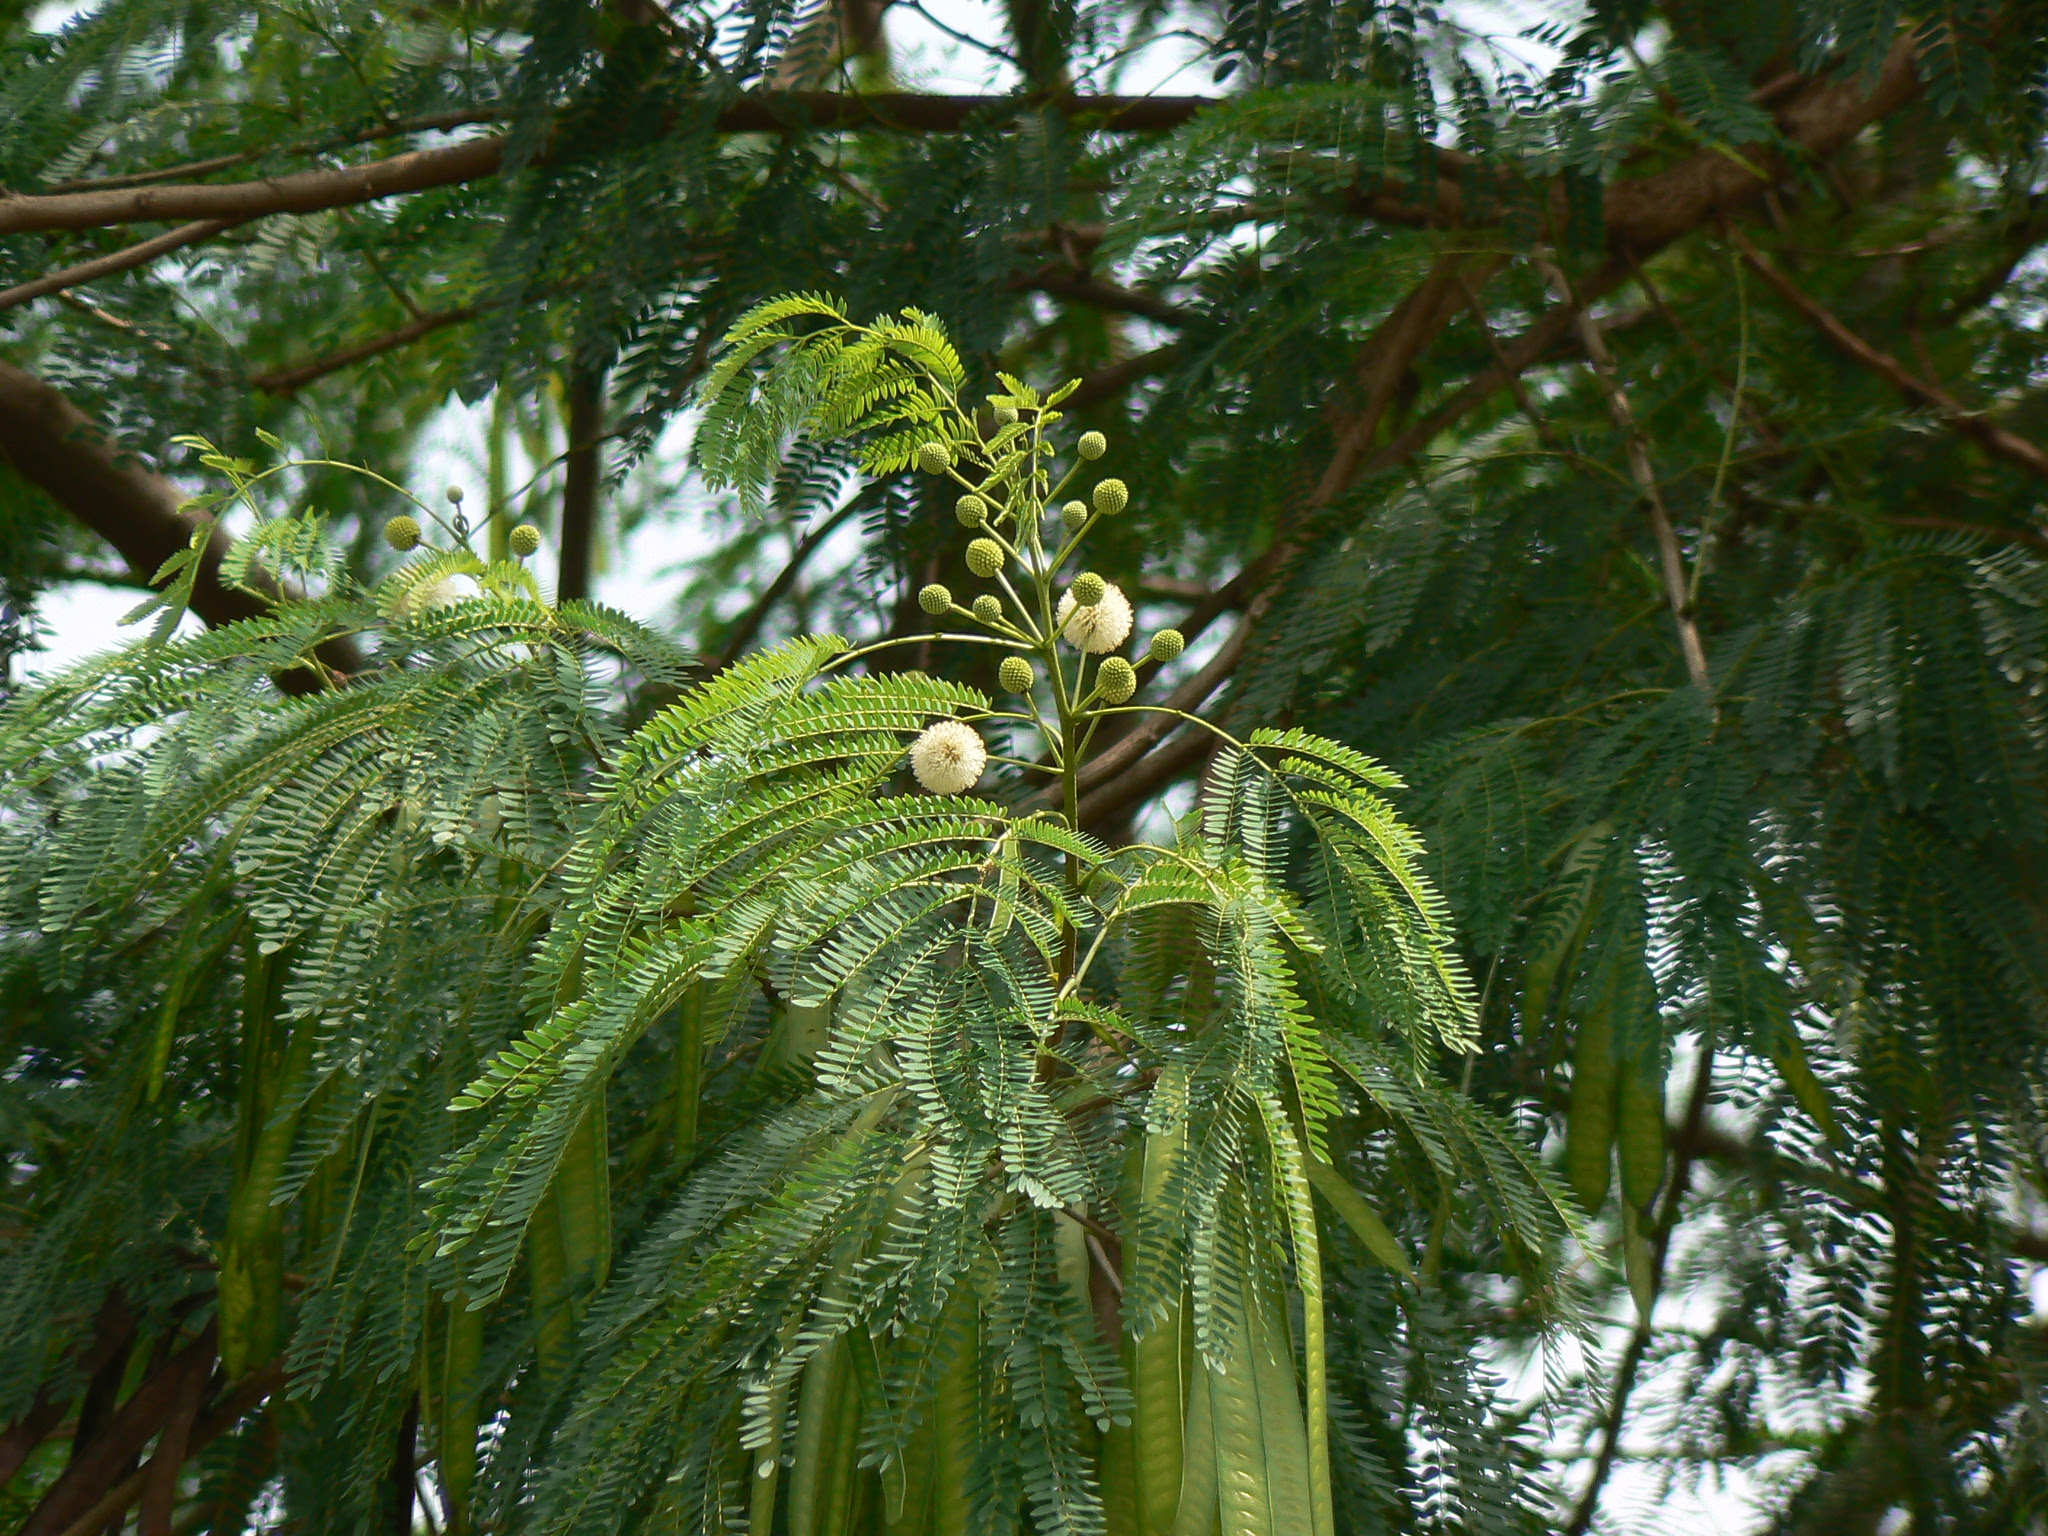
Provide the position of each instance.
(124, 260)
(450, 165)
(584, 473)
(56, 447)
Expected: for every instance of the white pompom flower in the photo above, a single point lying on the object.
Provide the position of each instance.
(1101, 629)
(443, 592)
(949, 757)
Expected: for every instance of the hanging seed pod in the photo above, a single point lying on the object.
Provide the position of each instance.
(984, 557)
(1118, 680)
(988, 608)
(1111, 497)
(1093, 445)
(1016, 674)
(971, 511)
(935, 599)
(1167, 644)
(402, 533)
(934, 458)
(523, 540)
(1088, 589)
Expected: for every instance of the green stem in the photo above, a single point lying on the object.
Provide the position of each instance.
(689, 1071)
(461, 1384)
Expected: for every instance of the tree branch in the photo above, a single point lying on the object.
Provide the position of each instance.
(749, 623)
(1671, 559)
(124, 260)
(580, 483)
(2000, 442)
(475, 159)
(286, 381)
(55, 446)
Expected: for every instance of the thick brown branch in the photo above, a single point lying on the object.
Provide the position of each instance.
(1109, 382)
(581, 478)
(474, 159)
(124, 260)
(55, 446)
(1082, 288)
(2000, 442)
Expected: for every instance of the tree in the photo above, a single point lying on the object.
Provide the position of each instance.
(1639, 458)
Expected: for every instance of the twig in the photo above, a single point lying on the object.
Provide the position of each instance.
(2000, 442)
(1677, 582)
(749, 623)
(286, 381)
(123, 260)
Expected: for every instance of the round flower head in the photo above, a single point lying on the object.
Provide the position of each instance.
(1016, 675)
(523, 540)
(949, 757)
(1006, 415)
(934, 458)
(1168, 644)
(1088, 589)
(1111, 497)
(1093, 445)
(971, 510)
(454, 494)
(1074, 513)
(988, 607)
(402, 533)
(1118, 680)
(442, 592)
(934, 599)
(1100, 629)
(984, 557)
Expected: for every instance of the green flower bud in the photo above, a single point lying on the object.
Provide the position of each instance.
(934, 599)
(1117, 680)
(984, 557)
(1093, 445)
(1167, 644)
(934, 458)
(988, 608)
(402, 533)
(454, 494)
(523, 540)
(1111, 497)
(1074, 513)
(1006, 415)
(1088, 589)
(1016, 674)
(971, 510)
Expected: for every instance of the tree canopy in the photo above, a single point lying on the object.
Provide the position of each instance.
(1546, 969)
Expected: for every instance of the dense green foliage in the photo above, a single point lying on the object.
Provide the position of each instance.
(578, 1077)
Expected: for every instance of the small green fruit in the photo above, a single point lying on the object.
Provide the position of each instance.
(523, 540)
(1074, 513)
(1167, 644)
(934, 458)
(402, 533)
(1088, 589)
(988, 608)
(1117, 680)
(1016, 674)
(935, 599)
(984, 557)
(1111, 497)
(971, 510)
(1093, 445)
